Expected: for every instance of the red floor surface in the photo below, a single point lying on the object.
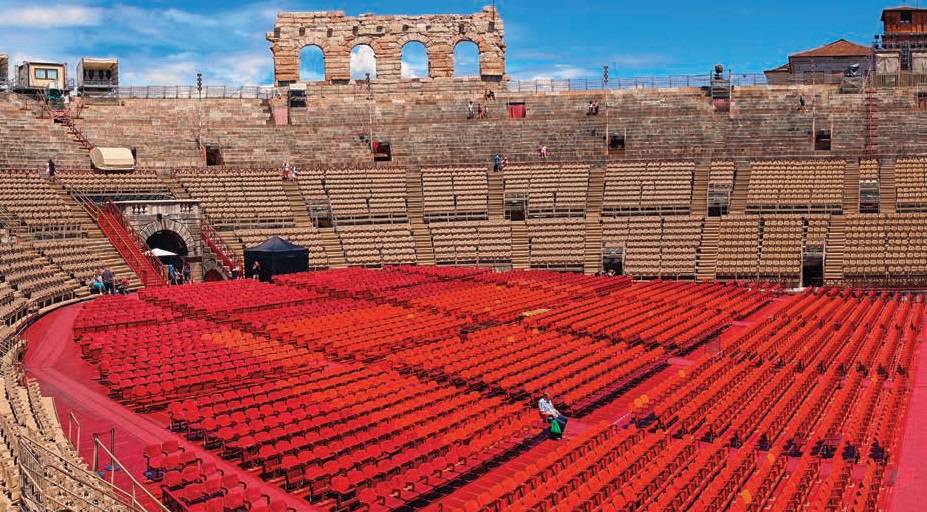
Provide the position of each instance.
(54, 360)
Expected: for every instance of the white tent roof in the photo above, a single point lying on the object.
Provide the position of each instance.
(159, 253)
(112, 159)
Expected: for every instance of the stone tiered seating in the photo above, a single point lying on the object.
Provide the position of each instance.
(165, 131)
(556, 243)
(454, 193)
(721, 174)
(137, 185)
(80, 257)
(13, 305)
(655, 246)
(366, 195)
(640, 188)
(34, 276)
(551, 190)
(239, 197)
(738, 247)
(40, 208)
(28, 142)
(887, 248)
(911, 185)
(377, 244)
(473, 242)
(869, 171)
(796, 186)
(780, 255)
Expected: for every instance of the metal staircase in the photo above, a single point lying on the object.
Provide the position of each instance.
(60, 114)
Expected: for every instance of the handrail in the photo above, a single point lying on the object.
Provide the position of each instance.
(116, 463)
(74, 471)
(153, 263)
(217, 245)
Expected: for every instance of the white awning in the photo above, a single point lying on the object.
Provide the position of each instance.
(91, 63)
(159, 253)
(112, 159)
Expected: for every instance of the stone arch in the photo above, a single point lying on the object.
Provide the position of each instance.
(146, 231)
(409, 65)
(336, 34)
(213, 273)
(363, 60)
(462, 66)
(307, 71)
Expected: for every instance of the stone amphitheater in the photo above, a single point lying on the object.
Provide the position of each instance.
(668, 186)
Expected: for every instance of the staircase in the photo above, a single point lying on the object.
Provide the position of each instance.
(334, 251)
(225, 256)
(708, 249)
(700, 188)
(741, 186)
(871, 137)
(520, 248)
(424, 249)
(887, 195)
(60, 114)
(496, 206)
(592, 261)
(297, 202)
(127, 243)
(851, 188)
(178, 191)
(834, 250)
(101, 251)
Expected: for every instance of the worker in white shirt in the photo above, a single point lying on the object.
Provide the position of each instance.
(552, 415)
(547, 408)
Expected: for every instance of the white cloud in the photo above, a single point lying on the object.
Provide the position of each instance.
(166, 73)
(55, 16)
(640, 60)
(363, 61)
(562, 72)
(414, 61)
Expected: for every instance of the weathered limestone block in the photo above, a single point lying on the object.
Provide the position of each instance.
(336, 35)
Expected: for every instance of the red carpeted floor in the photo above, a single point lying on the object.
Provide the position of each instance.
(55, 361)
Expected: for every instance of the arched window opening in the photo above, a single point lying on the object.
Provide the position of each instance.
(363, 61)
(414, 60)
(311, 64)
(466, 59)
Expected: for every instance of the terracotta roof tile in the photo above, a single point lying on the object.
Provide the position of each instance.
(839, 48)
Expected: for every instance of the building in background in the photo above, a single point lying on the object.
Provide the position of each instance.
(824, 64)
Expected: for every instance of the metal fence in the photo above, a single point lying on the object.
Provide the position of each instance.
(189, 92)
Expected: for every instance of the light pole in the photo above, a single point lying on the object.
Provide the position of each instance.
(605, 90)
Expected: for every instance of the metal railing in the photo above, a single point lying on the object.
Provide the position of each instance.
(751, 79)
(135, 243)
(189, 92)
(218, 246)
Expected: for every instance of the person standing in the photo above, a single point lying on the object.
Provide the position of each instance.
(171, 274)
(256, 270)
(108, 281)
(187, 272)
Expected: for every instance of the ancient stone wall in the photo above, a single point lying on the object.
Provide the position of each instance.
(336, 35)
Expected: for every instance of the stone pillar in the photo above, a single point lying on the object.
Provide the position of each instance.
(441, 60)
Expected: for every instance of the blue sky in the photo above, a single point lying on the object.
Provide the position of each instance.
(165, 42)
